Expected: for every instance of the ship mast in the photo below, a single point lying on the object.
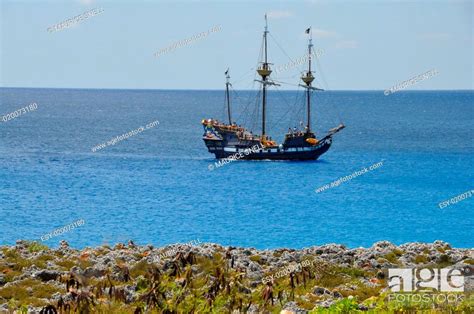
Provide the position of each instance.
(227, 84)
(264, 71)
(308, 78)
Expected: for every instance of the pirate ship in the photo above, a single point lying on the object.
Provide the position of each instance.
(228, 139)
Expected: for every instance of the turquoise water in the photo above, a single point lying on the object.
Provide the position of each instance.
(156, 188)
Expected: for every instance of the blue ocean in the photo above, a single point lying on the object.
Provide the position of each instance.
(156, 187)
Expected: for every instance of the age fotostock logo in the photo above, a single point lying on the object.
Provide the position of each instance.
(411, 279)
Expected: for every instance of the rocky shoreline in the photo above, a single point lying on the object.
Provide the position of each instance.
(206, 277)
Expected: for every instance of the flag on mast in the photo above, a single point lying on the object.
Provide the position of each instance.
(308, 30)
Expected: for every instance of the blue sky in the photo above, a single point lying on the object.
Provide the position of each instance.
(366, 45)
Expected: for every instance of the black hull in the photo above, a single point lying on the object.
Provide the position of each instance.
(241, 152)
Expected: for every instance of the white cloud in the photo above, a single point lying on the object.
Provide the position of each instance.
(279, 14)
(436, 36)
(86, 2)
(346, 44)
(321, 33)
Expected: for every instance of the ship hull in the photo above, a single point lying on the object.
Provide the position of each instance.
(276, 153)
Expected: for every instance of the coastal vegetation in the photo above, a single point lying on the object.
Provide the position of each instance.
(210, 278)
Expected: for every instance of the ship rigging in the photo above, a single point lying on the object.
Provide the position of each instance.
(226, 139)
